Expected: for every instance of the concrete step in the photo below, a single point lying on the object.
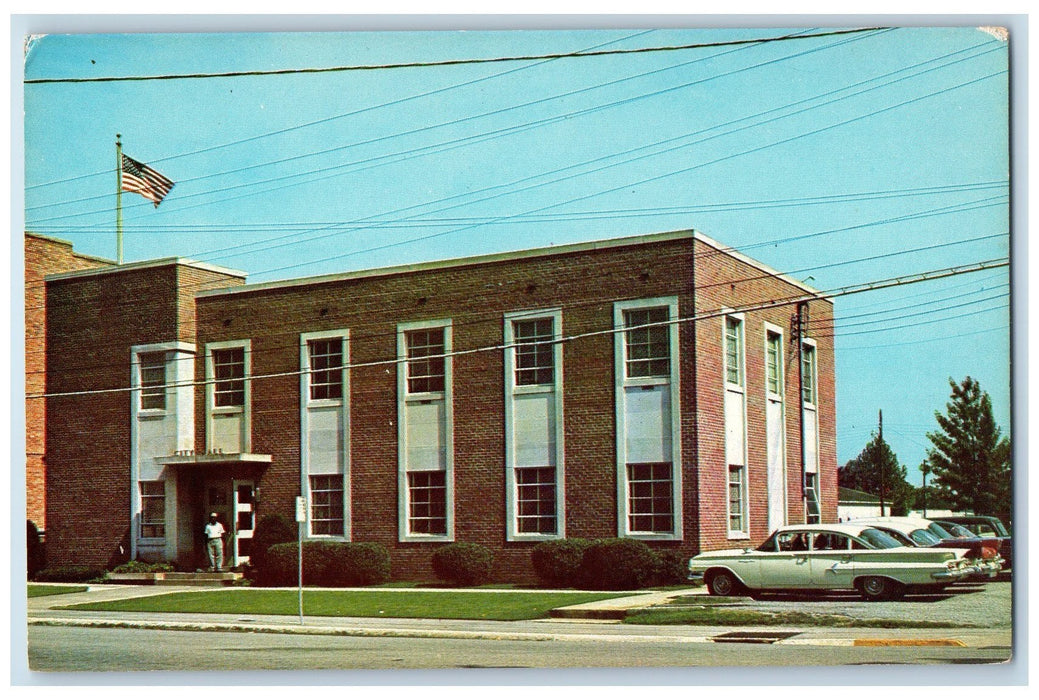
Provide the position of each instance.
(176, 578)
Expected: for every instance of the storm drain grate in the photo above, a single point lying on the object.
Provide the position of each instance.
(753, 637)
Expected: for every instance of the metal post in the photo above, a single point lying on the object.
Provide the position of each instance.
(301, 518)
(118, 200)
(880, 447)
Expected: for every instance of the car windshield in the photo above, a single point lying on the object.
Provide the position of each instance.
(958, 530)
(877, 539)
(939, 532)
(924, 538)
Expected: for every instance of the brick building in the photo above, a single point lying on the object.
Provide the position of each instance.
(641, 387)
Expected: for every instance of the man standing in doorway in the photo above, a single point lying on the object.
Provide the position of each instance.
(215, 543)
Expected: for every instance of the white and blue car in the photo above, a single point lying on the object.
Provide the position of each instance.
(829, 557)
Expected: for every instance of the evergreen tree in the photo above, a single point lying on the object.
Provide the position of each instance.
(970, 459)
(864, 473)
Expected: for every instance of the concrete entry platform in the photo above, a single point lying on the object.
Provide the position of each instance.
(176, 578)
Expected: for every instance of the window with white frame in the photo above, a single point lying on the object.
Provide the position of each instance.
(326, 368)
(326, 504)
(737, 498)
(774, 362)
(651, 498)
(734, 350)
(427, 503)
(153, 509)
(229, 373)
(534, 353)
(153, 380)
(536, 500)
(425, 366)
(808, 373)
(647, 346)
(812, 500)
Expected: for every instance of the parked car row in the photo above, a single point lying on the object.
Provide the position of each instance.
(881, 558)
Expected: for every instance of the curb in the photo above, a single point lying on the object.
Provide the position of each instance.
(462, 634)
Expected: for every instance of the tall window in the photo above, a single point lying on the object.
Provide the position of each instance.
(737, 498)
(427, 503)
(650, 498)
(734, 351)
(808, 373)
(812, 501)
(229, 372)
(425, 360)
(534, 352)
(326, 368)
(647, 346)
(153, 509)
(153, 380)
(536, 500)
(326, 504)
(774, 362)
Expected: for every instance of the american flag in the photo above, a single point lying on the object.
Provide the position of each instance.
(145, 181)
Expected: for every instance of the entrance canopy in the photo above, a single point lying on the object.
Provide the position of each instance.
(213, 459)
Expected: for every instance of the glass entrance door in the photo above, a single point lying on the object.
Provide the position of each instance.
(242, 496)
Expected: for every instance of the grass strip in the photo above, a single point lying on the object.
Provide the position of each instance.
(444, 605)
(745, 618)
(40, 591)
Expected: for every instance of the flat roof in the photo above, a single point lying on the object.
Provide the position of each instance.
(143, 265)
(505, 257)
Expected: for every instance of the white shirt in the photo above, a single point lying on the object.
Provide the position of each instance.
(214, 530)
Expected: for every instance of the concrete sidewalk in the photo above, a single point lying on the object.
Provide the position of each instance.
(596, 621)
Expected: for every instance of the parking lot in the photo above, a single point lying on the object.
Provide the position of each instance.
(975, 605)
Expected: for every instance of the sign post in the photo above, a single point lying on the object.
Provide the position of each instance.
(301, 518)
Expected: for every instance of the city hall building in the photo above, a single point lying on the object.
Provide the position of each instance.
(661, 387)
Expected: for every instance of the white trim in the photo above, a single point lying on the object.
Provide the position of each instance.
(403, 531)
(813, 407)
(246, 408)
(740, 389)
(461, 262)
(512, 533)
(620, 382)
(815, 373)
(781, 399)
(343, 404)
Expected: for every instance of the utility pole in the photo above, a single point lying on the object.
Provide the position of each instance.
(118, 200)
(883, 481)
(800, 324)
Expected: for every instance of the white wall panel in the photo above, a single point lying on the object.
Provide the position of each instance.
(647, 419)
(735, 428)
(811, 441)
(424, 436)
(156, 437)
(325, 440)
(534, 417)
(227, 432)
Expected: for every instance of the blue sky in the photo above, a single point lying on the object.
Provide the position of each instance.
(831, 158)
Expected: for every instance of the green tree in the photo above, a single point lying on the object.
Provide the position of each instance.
(970, 459)
(878, 461)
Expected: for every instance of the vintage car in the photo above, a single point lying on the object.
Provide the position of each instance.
(983, 553)
(827, 557)
(983, 526)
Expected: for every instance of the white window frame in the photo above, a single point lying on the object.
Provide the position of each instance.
(246, 408)
(342, 334)
(812, 406)
(141, 537)
(343, 485)
(740, 318)
(512, 389)
(740, 388)
(744, 532)
(404, 533)
(814, 370)
(772, 329)
(143, 388)
(780, 395)
(621, 382)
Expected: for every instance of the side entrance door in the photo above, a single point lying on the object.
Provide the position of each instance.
(242, 497)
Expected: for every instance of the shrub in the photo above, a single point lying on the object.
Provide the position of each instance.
(557, 562)
(270, 530)
(672, 568)
(617, 564)
(35, 559)
(463, 563)
(142, 567)
(332, 564)
(70, 573)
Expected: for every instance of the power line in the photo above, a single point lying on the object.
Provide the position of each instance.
(841, 291)
(453, 62)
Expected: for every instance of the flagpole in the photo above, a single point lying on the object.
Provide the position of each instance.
(118, 200)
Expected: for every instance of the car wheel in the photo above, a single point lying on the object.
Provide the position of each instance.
(880, 588)
(723, 583)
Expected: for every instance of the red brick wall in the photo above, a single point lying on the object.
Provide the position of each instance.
(92, 324)
(43, 256)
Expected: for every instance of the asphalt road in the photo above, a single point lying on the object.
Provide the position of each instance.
(87, 649)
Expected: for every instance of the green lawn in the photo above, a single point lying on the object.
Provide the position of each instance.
(38, 591)
(450, 605)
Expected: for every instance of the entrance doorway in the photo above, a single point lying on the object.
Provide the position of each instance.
(233, 500)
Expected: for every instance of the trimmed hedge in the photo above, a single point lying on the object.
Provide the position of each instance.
(270, 530)
(463, 563)
(142, 567)
(618, 564)
(672, 568)
(557, 563)
(330, 564)
(71, 573)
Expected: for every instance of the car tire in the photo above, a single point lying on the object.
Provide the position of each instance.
(879, 588)
(723, 583)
